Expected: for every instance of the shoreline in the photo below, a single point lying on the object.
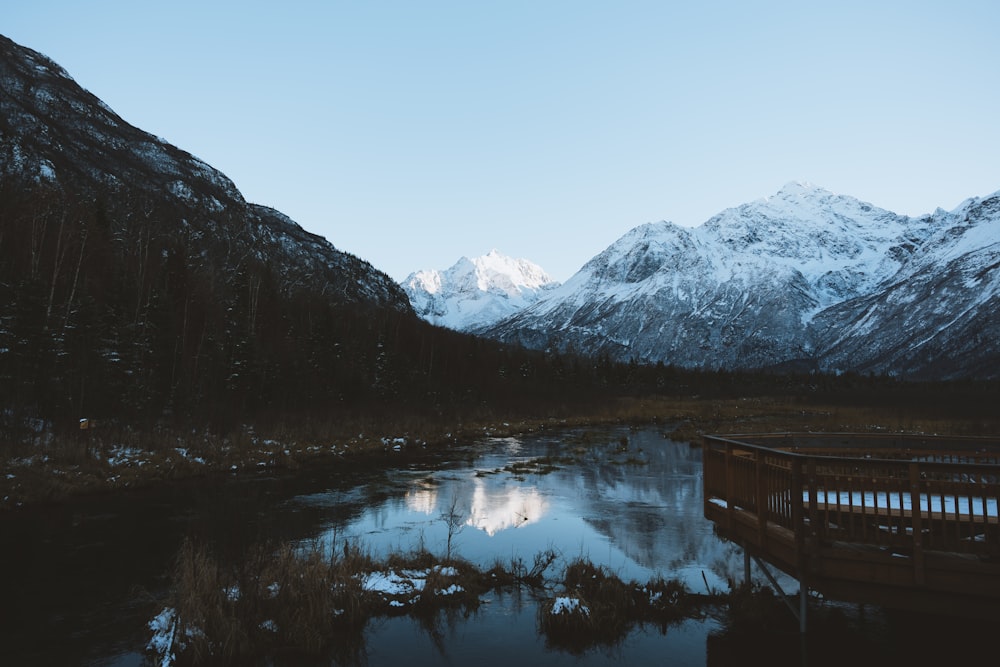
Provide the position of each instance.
(56, 473)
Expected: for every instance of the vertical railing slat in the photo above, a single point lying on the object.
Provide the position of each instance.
(917, 524)
(761, 500)
(798, 522)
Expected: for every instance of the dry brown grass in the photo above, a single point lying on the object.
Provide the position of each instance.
(306, 600)
(274, 599)
(604, 609)
(309, 601)
(66, 467)
(763, 415)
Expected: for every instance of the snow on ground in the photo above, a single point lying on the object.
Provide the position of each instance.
(397, 588)
(164, 627)
(567, 605)
(406, 582)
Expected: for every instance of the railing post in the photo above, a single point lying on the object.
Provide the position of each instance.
(917, 524)
(813, 500)
(798, 521)
(761, 498)
(730, 487)
(706, 474)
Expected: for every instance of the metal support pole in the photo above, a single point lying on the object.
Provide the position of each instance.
(800, 614)
(803, 597)
(746, 568)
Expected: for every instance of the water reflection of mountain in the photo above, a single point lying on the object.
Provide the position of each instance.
(647, 500)
(638, 489)
(493, 510)
(423, 498)
(481, 503)
(632, 499)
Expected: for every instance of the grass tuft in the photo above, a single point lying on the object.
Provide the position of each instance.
(597, 608)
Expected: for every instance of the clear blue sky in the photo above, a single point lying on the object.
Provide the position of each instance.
(412, 133)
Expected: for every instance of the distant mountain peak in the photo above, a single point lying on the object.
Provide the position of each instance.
(798, 195)
(798, 188)
(476, 292)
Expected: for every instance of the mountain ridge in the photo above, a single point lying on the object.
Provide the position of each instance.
(770, 282)
(57, 134)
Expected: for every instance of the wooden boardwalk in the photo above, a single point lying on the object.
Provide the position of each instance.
(898, 521)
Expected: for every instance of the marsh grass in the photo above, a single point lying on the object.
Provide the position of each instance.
(314, 601)
(317, 601)
(597, 608)
(517, 572)
(302, 600)
(694, 418)
(55, 464)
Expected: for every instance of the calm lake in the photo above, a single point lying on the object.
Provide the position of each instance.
(81, 583)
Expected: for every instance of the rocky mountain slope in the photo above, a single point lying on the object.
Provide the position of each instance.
(56, 135)
(802, 279)
(937, 316)
(476, 292)
(137, 284)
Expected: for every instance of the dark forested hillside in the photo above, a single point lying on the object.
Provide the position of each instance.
(138, 288)
(111, 311)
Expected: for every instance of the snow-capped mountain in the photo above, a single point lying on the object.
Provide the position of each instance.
(805, 278)
(476, 292)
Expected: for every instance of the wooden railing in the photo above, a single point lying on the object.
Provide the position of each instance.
(906, 493)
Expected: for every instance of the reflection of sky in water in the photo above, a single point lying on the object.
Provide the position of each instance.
(639, 520)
